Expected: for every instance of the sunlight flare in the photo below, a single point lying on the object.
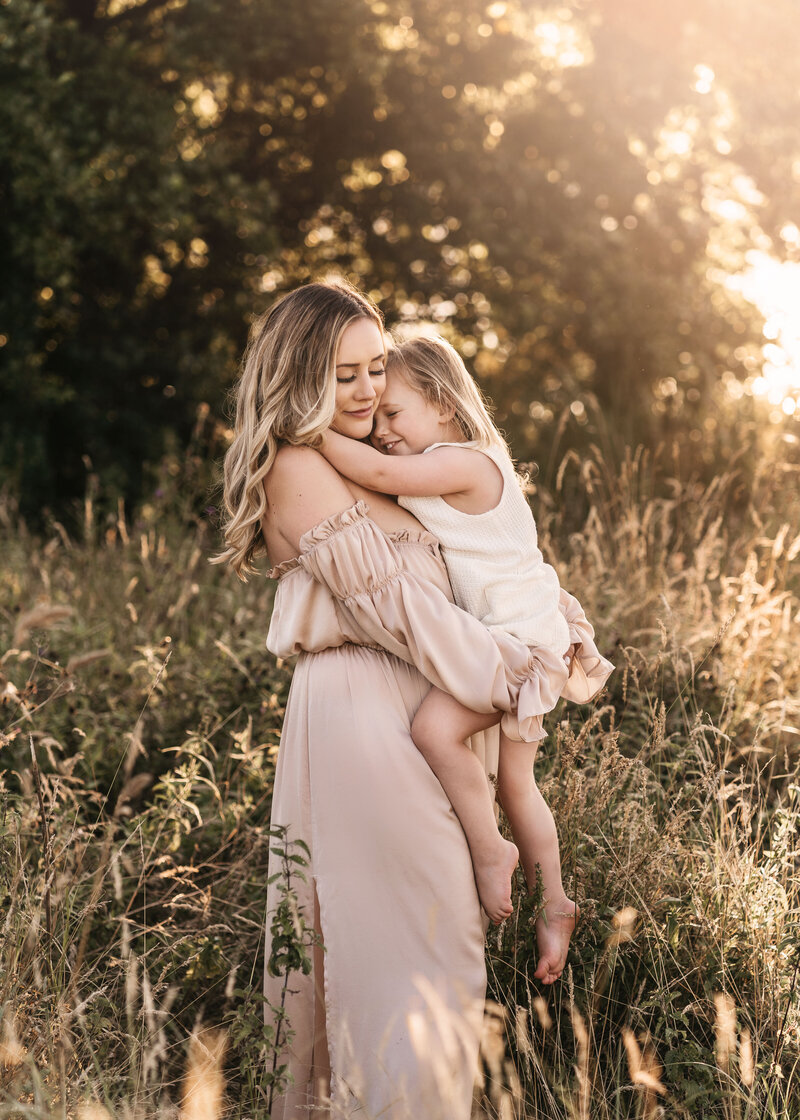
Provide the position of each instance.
(773, 286)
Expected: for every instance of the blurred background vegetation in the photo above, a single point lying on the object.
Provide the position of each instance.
(595, 200)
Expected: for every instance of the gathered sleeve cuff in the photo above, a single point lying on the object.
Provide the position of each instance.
(550, 679)
(589, 670)
(409, 616)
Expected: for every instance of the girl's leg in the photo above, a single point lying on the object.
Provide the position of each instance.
(534, 830)
(440, 730)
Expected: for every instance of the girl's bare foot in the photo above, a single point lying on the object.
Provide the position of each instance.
(554, 928)
(493, 877)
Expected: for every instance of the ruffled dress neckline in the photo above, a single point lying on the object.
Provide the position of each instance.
(348, 518)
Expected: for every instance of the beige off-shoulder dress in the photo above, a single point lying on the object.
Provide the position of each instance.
(396, 997)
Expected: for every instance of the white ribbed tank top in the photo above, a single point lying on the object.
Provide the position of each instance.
(496, 569)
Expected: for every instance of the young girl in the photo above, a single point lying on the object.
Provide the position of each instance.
(444, 458)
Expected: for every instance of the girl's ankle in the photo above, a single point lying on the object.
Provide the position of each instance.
(560, 905)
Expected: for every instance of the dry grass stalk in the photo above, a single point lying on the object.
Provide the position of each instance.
(81, 660)
(48, 917)
(131, 989)
(444, 1037)
(41, 617)
(92, 1110)
(122, 528)
(624, 927)
(645, 1071)
(131, 786)
(493, 1049)
(11, 694)
(202, 1097)
(514, 1097)
(12, 1052)
(132, 789)
(523, 1035)
(582, 1099)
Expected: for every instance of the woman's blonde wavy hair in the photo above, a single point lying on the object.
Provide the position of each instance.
(435, 369)
(286, 394)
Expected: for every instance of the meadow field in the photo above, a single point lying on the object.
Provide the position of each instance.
(596, 202)
(140, 719)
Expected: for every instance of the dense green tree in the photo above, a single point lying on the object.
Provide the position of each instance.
(111, 314)
(548, 184)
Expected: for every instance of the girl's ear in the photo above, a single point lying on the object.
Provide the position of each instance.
(447, 412)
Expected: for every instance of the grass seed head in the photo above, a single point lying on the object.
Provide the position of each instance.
(204, 1084)
(542, 1013)
(624, 923)
(725, 1030)
(746, 1064)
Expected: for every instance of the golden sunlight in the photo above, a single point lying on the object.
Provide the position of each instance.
(773, 286)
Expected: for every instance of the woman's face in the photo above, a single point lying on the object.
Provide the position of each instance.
(360, 378)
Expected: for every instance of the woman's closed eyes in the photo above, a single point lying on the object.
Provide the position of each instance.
(372, 373)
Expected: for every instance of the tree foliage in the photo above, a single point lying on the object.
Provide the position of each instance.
(563, 188)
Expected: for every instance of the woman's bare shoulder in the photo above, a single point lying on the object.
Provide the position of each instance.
(302, 489)
(300, 469)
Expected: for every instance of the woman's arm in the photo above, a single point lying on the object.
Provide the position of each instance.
(445, 470)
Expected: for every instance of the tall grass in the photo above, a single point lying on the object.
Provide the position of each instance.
(140, 717)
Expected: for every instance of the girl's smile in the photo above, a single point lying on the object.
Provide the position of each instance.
(406, 423)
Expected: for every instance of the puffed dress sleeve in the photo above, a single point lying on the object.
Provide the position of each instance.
(378, 597)
(589, 670)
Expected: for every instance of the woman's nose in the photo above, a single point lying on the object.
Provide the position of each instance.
(365, 390)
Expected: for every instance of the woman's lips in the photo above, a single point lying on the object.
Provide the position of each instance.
(362, 414)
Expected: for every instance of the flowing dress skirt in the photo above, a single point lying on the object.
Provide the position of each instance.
(404, 974)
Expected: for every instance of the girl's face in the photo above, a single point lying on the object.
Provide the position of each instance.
(360, 378)
(405, 423)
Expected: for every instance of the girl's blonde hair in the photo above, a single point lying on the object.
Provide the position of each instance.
(435, 369)
(286, 393)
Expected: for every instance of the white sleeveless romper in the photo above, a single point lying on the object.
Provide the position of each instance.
(496, 569)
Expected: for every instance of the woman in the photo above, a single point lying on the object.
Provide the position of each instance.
(388, 1020)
